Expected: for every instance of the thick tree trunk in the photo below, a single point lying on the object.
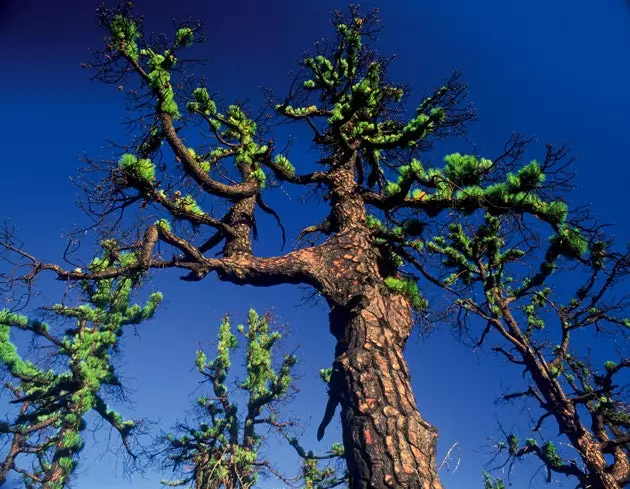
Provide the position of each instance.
(388, 444)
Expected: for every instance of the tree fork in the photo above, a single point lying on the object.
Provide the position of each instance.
(597, 473)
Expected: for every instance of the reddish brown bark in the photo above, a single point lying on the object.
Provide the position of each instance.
(9, 462)
(56, 475)
(388, 443)
(599, 473)
(592, 445)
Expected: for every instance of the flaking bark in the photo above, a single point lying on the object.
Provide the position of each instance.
(388, 443)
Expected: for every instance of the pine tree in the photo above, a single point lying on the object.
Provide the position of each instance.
(382, 202)
(56, 394)
(223, 449)
(544, 298)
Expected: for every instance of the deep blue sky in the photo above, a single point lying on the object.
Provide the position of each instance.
(557, 70)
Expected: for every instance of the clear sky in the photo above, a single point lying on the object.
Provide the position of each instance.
(557, 70)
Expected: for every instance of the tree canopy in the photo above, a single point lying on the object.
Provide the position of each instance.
(56, 393)
(388, 214)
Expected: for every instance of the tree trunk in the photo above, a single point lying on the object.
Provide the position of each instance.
(597, 472)
(600, 474)
(7, 465)
(387, 443)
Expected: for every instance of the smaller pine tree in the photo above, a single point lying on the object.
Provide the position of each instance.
(222, 449)
(55, 395)
(542, 300)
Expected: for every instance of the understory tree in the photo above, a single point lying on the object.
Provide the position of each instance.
(54, 394)
(223, 448)
(198, 201)
(556, 306)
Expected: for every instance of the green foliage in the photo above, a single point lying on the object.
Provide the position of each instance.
(486, 207)
(374, 223)
(483, 256)
(528, 178)
(466, 170)
(184, 36)
(321, 471)
(187, 205)
(262, 381)
(418, 194)
(316, 477)
(392, 189)
(569, 243)
(125, 34)
(325, 374)
(533, 319)
(284, 164)
(501, 272)
(610, 365)
(555, 212)
(259, 175)
(297, 113)
(238, 134)
(223, 446)
(202, 102)
(160, 80)
(56, 402)
(358, 94)
(490, 482)
(551, 454)
(163, 224)
(143, 169)
(409, 288)
(9, 355)
(512, 443)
